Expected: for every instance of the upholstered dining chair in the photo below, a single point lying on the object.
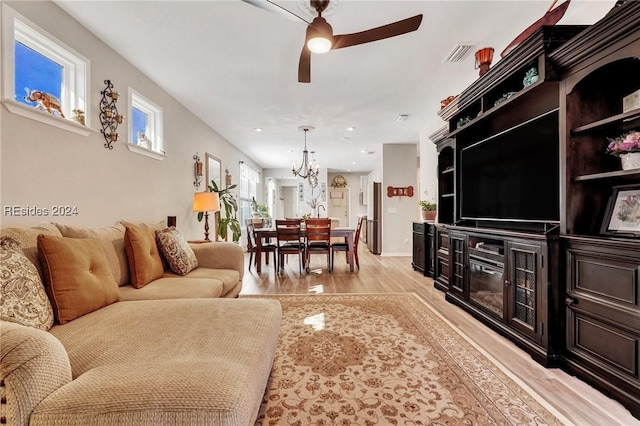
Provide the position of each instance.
(288, 236)
(344, 246)
(267, 248)
(318, 233)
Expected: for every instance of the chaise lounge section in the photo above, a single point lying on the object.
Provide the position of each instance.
(196, 359)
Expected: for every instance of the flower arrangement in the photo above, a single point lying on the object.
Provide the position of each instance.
(624, 144)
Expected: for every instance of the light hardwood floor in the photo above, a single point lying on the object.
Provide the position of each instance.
(576, 400)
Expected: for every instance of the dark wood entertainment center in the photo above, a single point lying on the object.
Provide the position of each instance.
(536, 266)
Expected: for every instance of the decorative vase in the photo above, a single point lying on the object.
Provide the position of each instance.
(630, 160)
(429, 215)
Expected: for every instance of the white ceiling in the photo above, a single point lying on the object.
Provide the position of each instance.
(235, 66)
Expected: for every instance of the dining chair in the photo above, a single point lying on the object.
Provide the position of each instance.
(318, 233)
(289, 240)
(266, 248)
(344, 246)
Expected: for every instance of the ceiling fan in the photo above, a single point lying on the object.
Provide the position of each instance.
(320, 38)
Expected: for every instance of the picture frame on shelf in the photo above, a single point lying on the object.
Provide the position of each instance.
(622, 217)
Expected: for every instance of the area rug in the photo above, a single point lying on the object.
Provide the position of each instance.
(386, 359)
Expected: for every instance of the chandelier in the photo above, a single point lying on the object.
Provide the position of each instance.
(307, 170)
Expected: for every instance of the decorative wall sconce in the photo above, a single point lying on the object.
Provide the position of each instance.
(227, 176)
(197, 171)
(484, 57)
(109, 116)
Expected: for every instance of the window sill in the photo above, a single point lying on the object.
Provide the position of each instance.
(144, 151)
(46, 118)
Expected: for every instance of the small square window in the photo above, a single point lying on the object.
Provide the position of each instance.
(145, 126)
(42, 73)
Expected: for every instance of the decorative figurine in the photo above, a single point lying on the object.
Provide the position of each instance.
(530, 77)
(45, 101)
(78, 116)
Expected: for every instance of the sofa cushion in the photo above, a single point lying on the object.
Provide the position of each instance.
(228, 277)
(112, 240)
(188, 361)
(34, 365)
(28, 239)
(23, 299)
(77, 276)
(145, 264)
(176, 251)
(175, 287)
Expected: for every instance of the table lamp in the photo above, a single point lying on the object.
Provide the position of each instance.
(206, 202)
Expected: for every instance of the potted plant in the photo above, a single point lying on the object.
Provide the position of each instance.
(230, 219)
(428, 210)
(627, 147)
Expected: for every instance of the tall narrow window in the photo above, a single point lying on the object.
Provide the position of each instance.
(249, 179)
(145, 126)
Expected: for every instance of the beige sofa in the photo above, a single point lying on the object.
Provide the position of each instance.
(188, 357)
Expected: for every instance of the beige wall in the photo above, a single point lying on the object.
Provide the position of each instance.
(44, 166)
(399, 168)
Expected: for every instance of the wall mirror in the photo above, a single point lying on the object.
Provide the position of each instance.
(214, 170)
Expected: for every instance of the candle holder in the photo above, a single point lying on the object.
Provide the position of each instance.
(109, 116)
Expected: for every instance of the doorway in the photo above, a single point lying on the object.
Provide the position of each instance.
(338, 206)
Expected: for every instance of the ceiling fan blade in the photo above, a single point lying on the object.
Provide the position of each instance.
(374, 34)
(270, 6)
(304, 67)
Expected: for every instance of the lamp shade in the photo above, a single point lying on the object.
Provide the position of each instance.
(206, 202)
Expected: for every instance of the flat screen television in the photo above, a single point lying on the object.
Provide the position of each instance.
(513, 176)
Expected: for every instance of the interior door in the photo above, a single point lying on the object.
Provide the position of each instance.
(338, 206)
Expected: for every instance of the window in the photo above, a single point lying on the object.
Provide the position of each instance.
(145, 126)
(42, 73)
(248, 188)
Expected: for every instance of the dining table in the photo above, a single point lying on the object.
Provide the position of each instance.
(341, 232)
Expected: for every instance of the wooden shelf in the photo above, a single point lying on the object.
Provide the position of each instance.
(629, 115)
(448, 170)
(447, 195)
(618, 174)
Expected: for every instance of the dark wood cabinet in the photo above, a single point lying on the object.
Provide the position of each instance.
(419, 250)
(603, 316)
(441, 267)
(423, 248)
(601, 306)
(503, 278)
(558, 283)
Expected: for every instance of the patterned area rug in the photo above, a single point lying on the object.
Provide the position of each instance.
(385, 359)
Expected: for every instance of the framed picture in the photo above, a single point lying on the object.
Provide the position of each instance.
(214, 170)
(622, 217)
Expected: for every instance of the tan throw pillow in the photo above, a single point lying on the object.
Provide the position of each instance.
(23, 299)
(145, 264)
(176, 250)
(77, 276)
(112, 241)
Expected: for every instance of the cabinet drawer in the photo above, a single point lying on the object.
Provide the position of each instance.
(605, 278)
(418, 227)
(603, 345)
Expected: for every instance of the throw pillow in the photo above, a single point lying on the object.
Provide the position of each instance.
(176, 250)
(112, 240)
(23, 299)
(145, 264)
(77, 276)
(28, 240)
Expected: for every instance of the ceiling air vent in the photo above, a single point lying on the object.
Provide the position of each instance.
(458, 52)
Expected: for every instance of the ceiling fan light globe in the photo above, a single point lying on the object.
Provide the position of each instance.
(319, 44)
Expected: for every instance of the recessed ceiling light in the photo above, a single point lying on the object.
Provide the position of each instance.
(348, 170)
(258, 129)
(351, 129)
(354, 163)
